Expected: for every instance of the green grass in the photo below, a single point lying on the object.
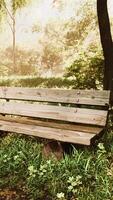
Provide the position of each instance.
(85, 174)
(34, 81)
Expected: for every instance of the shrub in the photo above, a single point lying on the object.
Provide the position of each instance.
(34, 81)
(87, 70)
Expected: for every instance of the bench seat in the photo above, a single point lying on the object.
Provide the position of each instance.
(74, 116)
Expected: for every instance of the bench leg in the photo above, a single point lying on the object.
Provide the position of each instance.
(53, 148)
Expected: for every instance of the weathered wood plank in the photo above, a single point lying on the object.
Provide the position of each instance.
(53, 124)
(88, 97)
(49, 133)
(78, 115)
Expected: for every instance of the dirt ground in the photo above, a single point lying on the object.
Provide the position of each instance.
(7, 194)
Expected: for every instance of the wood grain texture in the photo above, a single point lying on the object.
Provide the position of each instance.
(87, 97)
(78, 115)
(53, 124)
(46, 132)
(62, 123)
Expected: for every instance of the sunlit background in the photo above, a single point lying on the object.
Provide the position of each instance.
(39, 12)
(50, 36)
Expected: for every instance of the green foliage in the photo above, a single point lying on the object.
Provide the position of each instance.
(78, 30)
(1, 5)
(16, 159)
(2, 12)
(34, 81)
(87, 70)
(5, 11)
(51, 58)
(85, 174)
(26, 62)
(16, 4)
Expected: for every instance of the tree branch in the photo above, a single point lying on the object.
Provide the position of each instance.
(8, 12)
(10, 25)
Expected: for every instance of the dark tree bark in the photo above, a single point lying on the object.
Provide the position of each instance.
(107, 43)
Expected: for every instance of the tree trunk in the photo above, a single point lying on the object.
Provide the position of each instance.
(106, 41)
(14, 43)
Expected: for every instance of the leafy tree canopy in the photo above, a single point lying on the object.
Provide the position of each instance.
(15, 5)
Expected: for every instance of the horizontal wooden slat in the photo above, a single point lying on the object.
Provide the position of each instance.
(53, 124)
(78, 115)
(88, 97)
(49, 133)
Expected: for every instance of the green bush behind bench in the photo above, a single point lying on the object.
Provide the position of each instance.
(34, 81)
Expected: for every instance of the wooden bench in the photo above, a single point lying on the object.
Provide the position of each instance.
(74, 116)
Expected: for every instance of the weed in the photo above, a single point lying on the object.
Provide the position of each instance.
(83, 175)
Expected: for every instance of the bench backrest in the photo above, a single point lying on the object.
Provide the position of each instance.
(88, 97)
(79, 106)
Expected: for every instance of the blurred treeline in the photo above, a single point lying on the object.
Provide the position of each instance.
(70, 50)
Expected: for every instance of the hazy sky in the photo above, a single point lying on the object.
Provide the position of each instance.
(38, 12)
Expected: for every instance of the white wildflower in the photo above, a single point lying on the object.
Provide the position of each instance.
(60, 195)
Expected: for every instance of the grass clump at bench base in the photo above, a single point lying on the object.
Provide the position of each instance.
(85, 174)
